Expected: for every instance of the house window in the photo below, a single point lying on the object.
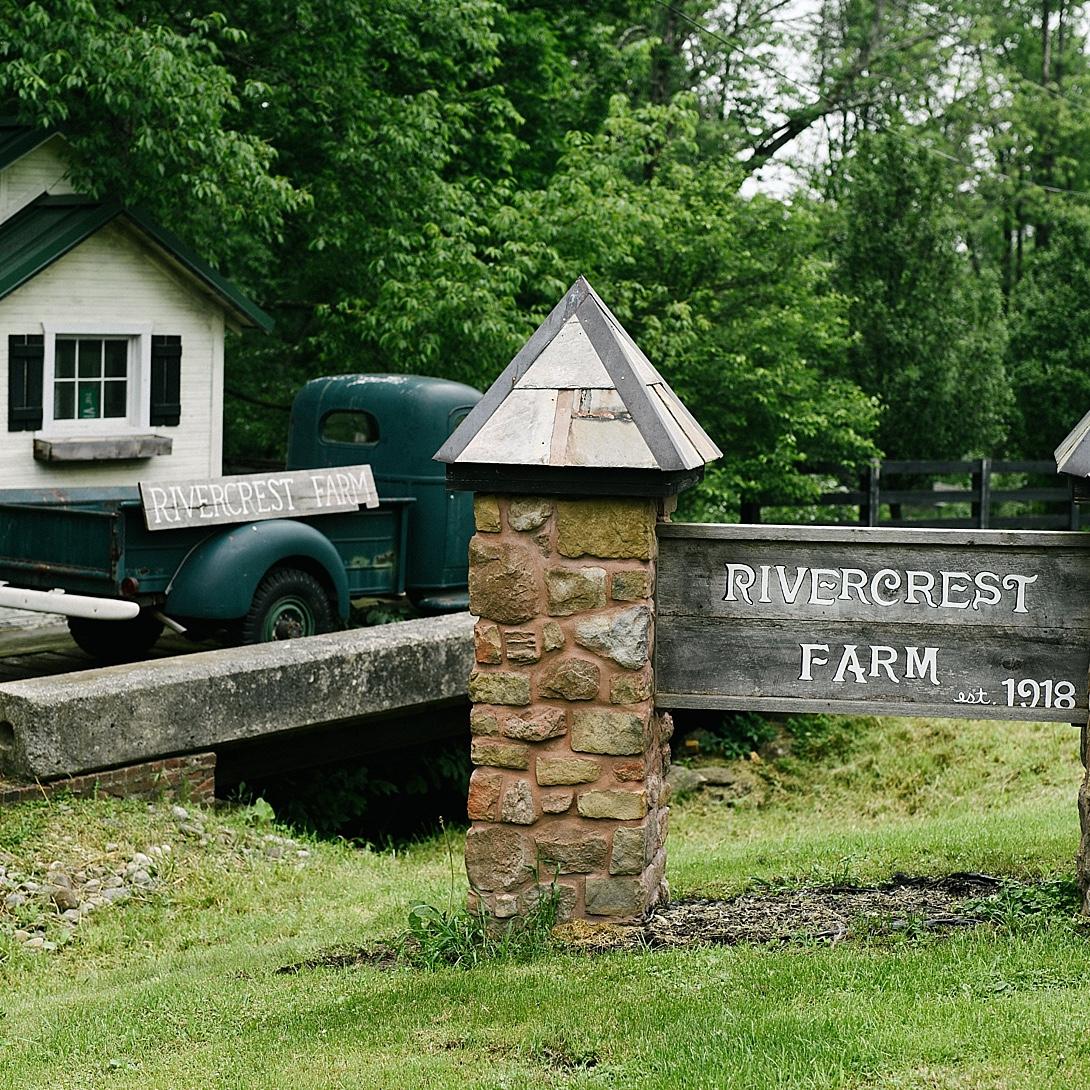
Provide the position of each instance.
(91, 378)
(97, 378)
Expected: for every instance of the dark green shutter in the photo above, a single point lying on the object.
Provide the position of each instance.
(166, 380)
(26, 360)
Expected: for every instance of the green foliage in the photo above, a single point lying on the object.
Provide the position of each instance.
(465, 939)
(930, 340)
(1020, 905)
(1050, 338)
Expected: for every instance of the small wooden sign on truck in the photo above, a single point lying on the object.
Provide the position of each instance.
(253, 497)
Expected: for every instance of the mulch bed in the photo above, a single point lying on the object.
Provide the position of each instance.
(827, 914)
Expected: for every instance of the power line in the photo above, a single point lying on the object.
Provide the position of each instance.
(821, 98)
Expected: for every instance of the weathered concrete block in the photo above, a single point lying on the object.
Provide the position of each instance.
(503, 584)
(595, 730)
(487, 647)
(554, 771)
(486, 514)
(539, 727)
(498, 857)
(499, 687)
(569, 851)
(518, 804)
(618, 528)
(570, 679)
(572, 590)
(485, 786)
(617, 804)
(490, 751)
(622, 636)
(630, 585)
(528, 512)
(75, 723)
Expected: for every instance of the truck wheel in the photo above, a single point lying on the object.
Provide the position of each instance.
(287, 604)
(116, 641)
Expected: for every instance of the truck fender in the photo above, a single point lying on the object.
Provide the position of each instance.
(216, 581)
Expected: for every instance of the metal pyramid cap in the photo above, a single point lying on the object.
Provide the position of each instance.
(580, 393)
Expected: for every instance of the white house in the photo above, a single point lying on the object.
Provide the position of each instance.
(111, 334)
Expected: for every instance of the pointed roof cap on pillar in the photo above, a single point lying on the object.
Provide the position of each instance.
(580, 395)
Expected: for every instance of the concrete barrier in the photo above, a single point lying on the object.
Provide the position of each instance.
(74, 723)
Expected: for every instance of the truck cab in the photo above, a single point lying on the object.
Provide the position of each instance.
(395, 423)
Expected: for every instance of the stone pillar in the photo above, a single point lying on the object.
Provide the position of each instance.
(569, 755)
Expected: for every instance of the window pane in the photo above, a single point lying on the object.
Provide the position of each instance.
(114, 398)
(64, 400)
(66, 360)
(90, 395)
(90, 360)
(117, 359)
(349, 426)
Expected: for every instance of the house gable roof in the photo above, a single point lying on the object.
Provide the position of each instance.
(18, 140)
(580, 393)
(49, 227)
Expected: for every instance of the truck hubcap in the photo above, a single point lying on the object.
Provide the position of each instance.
(288, 619)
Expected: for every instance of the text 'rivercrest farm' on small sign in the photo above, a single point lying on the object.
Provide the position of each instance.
(257, 496)
(969, 624)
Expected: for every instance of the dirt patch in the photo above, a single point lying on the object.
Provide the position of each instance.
(903, 905)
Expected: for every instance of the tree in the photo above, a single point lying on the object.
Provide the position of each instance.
(929, 328)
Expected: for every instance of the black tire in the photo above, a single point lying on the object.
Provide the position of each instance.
(287, 604)
(116, 641)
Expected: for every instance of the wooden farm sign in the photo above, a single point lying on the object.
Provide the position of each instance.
(250, 498)
(972, 624)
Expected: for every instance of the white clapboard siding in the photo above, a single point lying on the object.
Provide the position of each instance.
(113, 276)
(43, 170)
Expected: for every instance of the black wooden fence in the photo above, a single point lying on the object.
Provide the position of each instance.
(1026, 496)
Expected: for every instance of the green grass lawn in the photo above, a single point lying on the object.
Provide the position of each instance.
(177, 988)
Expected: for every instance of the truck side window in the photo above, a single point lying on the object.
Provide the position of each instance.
(349, 426)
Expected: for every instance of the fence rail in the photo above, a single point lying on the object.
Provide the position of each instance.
(894, 485)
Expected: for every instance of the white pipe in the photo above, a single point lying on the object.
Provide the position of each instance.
(71, 605)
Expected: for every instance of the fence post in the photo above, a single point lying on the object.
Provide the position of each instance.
(982, 485)
(574, 453)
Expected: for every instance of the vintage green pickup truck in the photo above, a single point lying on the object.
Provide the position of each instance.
(89, 553)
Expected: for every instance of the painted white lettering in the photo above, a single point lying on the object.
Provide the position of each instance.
(261, 496)
(199, 498)
(849, 661)
(992, 588)
(245, 496)
(765, 570)
(1020, 582)
(853, 579)
(919, 666)
(231, 509)
(159, 505)
(810, 659)
(790, 593)
(277, 503)
(920, 582)
(289, 502)
(215, 493)
(180, 500)
(822, 579)
(883, 658)
(318, 484)
(955, 582)
(745, 577)
(887, 579)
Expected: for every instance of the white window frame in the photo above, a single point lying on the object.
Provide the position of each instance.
(138, 415)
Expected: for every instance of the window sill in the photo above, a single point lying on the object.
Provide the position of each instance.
(101, 448)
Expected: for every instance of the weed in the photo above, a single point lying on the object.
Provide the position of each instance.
(1016, 905)
(464, 939)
